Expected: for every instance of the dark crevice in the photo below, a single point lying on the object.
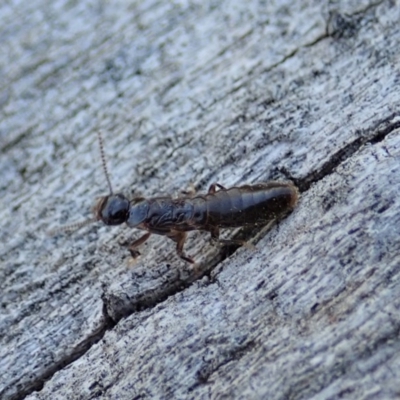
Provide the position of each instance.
(121, 308)
(171, 288)
(78, 352)
(380, 130)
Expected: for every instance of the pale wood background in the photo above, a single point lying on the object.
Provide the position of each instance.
(192, 93)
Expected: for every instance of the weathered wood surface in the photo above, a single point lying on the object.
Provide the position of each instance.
(233, 92)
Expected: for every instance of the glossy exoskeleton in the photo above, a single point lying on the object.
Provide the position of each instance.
(242, 206)
(248, 205)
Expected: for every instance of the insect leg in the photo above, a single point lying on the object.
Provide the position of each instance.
(215, 239)
(214, 230)
(179, 238)
(137, 243)
(213, 188)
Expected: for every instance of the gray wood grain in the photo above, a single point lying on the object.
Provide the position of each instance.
(187, 94)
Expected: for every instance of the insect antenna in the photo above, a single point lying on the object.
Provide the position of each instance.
(71, 227)
(77, 225)
(103, 161)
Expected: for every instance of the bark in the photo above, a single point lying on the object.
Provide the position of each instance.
(197, 93)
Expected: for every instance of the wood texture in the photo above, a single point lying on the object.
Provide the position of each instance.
(195, 93)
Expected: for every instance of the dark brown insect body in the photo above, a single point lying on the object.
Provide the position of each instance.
(248, 205)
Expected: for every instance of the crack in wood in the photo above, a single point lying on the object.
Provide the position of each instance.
(382, 128)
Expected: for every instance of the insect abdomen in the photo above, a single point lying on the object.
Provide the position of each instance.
(250, 205)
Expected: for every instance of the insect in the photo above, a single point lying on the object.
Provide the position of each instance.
(248, 205)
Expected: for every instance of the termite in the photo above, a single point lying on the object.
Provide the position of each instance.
(241, 206)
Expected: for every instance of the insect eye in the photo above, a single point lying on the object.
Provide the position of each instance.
(115, 210)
